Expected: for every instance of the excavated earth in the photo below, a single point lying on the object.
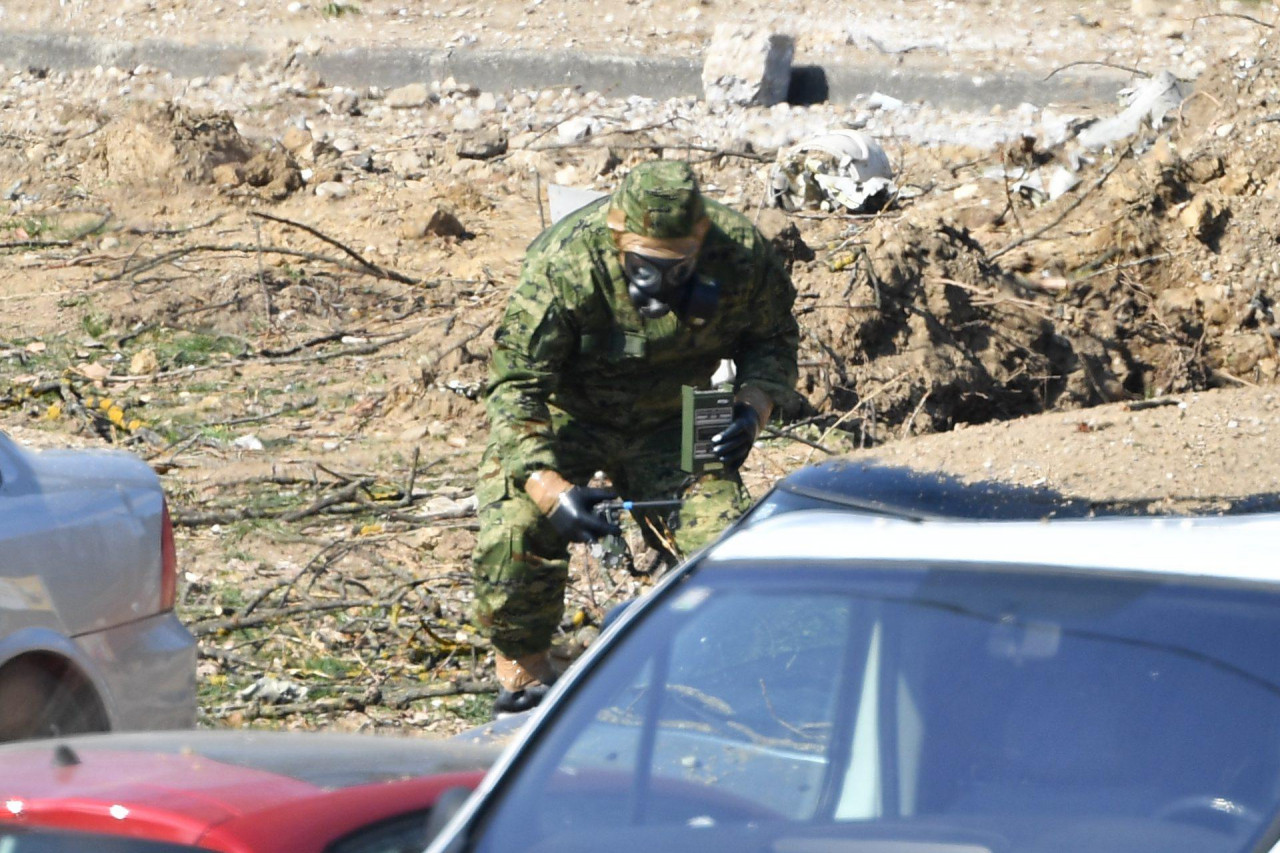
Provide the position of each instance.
(282, 294)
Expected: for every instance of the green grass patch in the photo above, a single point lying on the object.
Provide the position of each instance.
(184, 349)
(338, 10)
(333, 667)
(474, 710)
(95, 323)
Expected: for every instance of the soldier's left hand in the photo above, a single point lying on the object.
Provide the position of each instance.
(734, 442)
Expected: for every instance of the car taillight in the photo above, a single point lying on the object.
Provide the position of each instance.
(168, 562)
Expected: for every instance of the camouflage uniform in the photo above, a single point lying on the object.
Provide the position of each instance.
(581, 382)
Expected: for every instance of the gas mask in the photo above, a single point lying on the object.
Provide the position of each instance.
(659, 285)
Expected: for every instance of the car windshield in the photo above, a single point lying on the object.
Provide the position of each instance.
(866, 710)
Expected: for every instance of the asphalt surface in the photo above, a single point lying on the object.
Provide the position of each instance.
(613, 75)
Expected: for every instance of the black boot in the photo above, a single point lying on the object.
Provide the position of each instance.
(518, 701)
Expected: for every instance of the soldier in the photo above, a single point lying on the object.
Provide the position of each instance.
(618, 305)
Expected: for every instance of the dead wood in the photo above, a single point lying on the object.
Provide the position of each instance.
(380, 272)
(280, 614)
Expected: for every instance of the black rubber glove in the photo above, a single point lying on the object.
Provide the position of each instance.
(733, 443)
(575, 517)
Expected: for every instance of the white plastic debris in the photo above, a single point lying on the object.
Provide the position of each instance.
(1061, 182)
(1149, 104)
(564, 200)
(725, 374)
(274, 691)
(248, 442)
(841, 167)
(881, 101)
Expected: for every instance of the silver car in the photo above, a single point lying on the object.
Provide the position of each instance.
(897, 672)
(88, 572)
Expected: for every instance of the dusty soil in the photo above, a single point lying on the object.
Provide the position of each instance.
(282, 294)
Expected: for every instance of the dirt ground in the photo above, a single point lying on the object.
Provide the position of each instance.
(286, 306)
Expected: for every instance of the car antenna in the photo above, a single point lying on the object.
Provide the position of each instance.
(65, 756)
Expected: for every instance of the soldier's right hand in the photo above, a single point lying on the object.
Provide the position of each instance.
(574, 515)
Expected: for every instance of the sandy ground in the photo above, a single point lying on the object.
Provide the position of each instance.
(264, 369)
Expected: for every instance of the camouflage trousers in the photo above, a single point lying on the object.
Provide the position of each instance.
(521, 564)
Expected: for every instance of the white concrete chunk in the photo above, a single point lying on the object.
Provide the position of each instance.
(746, 66)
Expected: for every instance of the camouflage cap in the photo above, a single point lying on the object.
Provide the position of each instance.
(658, 199)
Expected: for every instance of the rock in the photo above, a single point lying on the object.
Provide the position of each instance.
(333, 190)
(486, 102)
(598, 161)
(405, 164)
(484, 144)
(1204, 169)
(975, 217)
(1237, 181)
(274, 171)
(343, 102)
(444, 223)
(228, 175)
(296, 140)
(451, 86)
(468, 120)
(1162, 154)
(417, 432)
(747, 67)
(439, 222)
(1179, 302)
(144, 362)
(408, 97)
(575, 129)
(1203, 217)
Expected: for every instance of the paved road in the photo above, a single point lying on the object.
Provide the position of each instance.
(618, 76)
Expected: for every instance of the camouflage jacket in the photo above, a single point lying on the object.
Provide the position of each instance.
(571, 338)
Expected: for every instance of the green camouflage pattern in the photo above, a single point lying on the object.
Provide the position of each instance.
(572, 339)
(522, 565)
(660, 199)
(580, 382)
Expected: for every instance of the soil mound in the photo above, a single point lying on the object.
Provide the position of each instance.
(164, 144)
(1157, 274)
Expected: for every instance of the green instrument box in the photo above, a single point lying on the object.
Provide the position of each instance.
(706, 413)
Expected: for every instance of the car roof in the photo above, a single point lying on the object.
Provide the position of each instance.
(872, 486)
(1224, 547)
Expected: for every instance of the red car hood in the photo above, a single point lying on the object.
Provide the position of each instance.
(177, 787)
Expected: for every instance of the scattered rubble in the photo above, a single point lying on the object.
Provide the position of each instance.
(842, 168)
(283, 294)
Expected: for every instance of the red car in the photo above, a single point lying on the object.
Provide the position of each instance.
(236, 791)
